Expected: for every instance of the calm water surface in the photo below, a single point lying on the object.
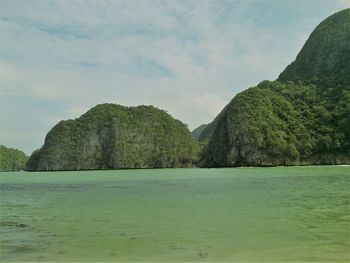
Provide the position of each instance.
(241, 214)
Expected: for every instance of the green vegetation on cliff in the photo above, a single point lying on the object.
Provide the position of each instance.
(12, 159)
(111, 136)
(302, 118)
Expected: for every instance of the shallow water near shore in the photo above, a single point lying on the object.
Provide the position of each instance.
(231, 214)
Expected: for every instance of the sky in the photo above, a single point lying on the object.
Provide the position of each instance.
(60, 58)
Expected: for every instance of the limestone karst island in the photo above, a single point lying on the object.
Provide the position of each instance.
(175, 131)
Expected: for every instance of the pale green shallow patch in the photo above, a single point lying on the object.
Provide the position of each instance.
(240, 214)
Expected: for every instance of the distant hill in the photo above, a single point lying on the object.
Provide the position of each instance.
(209, 129)
(197, 131)
(12, 159)
(111, 136)
(302, 118)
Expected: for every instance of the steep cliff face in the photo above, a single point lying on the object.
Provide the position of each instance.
(111, 136)
(302, 118)
(12, 159)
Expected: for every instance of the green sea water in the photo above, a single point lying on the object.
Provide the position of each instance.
(235, 214)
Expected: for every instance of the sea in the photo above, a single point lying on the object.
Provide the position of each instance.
(277, 214)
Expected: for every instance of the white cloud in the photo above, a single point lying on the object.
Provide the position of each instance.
(343, 3)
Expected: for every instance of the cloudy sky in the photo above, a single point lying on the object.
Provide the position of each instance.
(60, 58)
